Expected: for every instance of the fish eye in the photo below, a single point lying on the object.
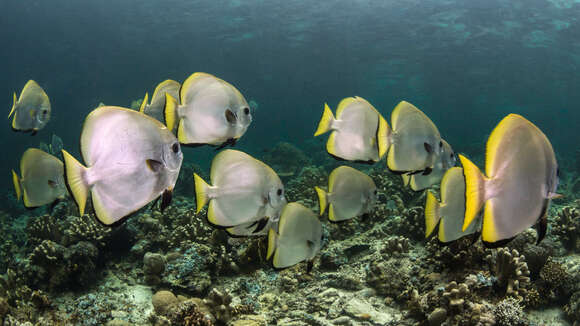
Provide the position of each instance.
(279, 192)
(175, 147)
(440, 144)
(375, 192)
(246, 111)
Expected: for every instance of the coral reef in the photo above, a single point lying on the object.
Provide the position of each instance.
(286, 159)
(172, 268)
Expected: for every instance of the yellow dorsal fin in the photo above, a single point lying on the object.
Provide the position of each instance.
(344, 104)
(431, 213)
(14, 101)
(170, 112)
(144, 103)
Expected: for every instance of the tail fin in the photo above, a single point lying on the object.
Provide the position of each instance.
(322, 202)
(170, 112)
(383, 136)
(16, 181)
(474, 190)
(74, 173)
(144, 103)
(431, 213)
(15, 100)
(272, 237)
(325, 122)
(201, 195)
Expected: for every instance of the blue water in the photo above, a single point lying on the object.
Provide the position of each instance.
(466, 64)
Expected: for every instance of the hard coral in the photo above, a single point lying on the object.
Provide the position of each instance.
(45, 227)
(455, 295)
(395, 246)
(567, 227)
(220, 304)
(187, 313)
(509, 312)
(391, 278)
(86, 228)
(511, 271)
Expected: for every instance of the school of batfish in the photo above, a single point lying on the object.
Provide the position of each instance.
(131, 158)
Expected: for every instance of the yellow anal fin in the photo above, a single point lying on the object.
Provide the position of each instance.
(325, 123)
(488, 230)
(331, 214)
(321, 199)
(431, 213)
(474, 190)
(272, 237)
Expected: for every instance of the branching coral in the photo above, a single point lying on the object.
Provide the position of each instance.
(220, 304)
(567, 227)
(395, 246)
(455, 295)
(511, 271)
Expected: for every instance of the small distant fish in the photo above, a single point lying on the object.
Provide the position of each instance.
(445, 160)
(131, 159)
(155, 108)
(359, 132)
(244, 190)
(42, 180)
(415, 141)
(212, 112)
(56, 145)
(298, 237)
(521, 178)
(449, 213)
(350, 193)
(254, 105)
(31, 110)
